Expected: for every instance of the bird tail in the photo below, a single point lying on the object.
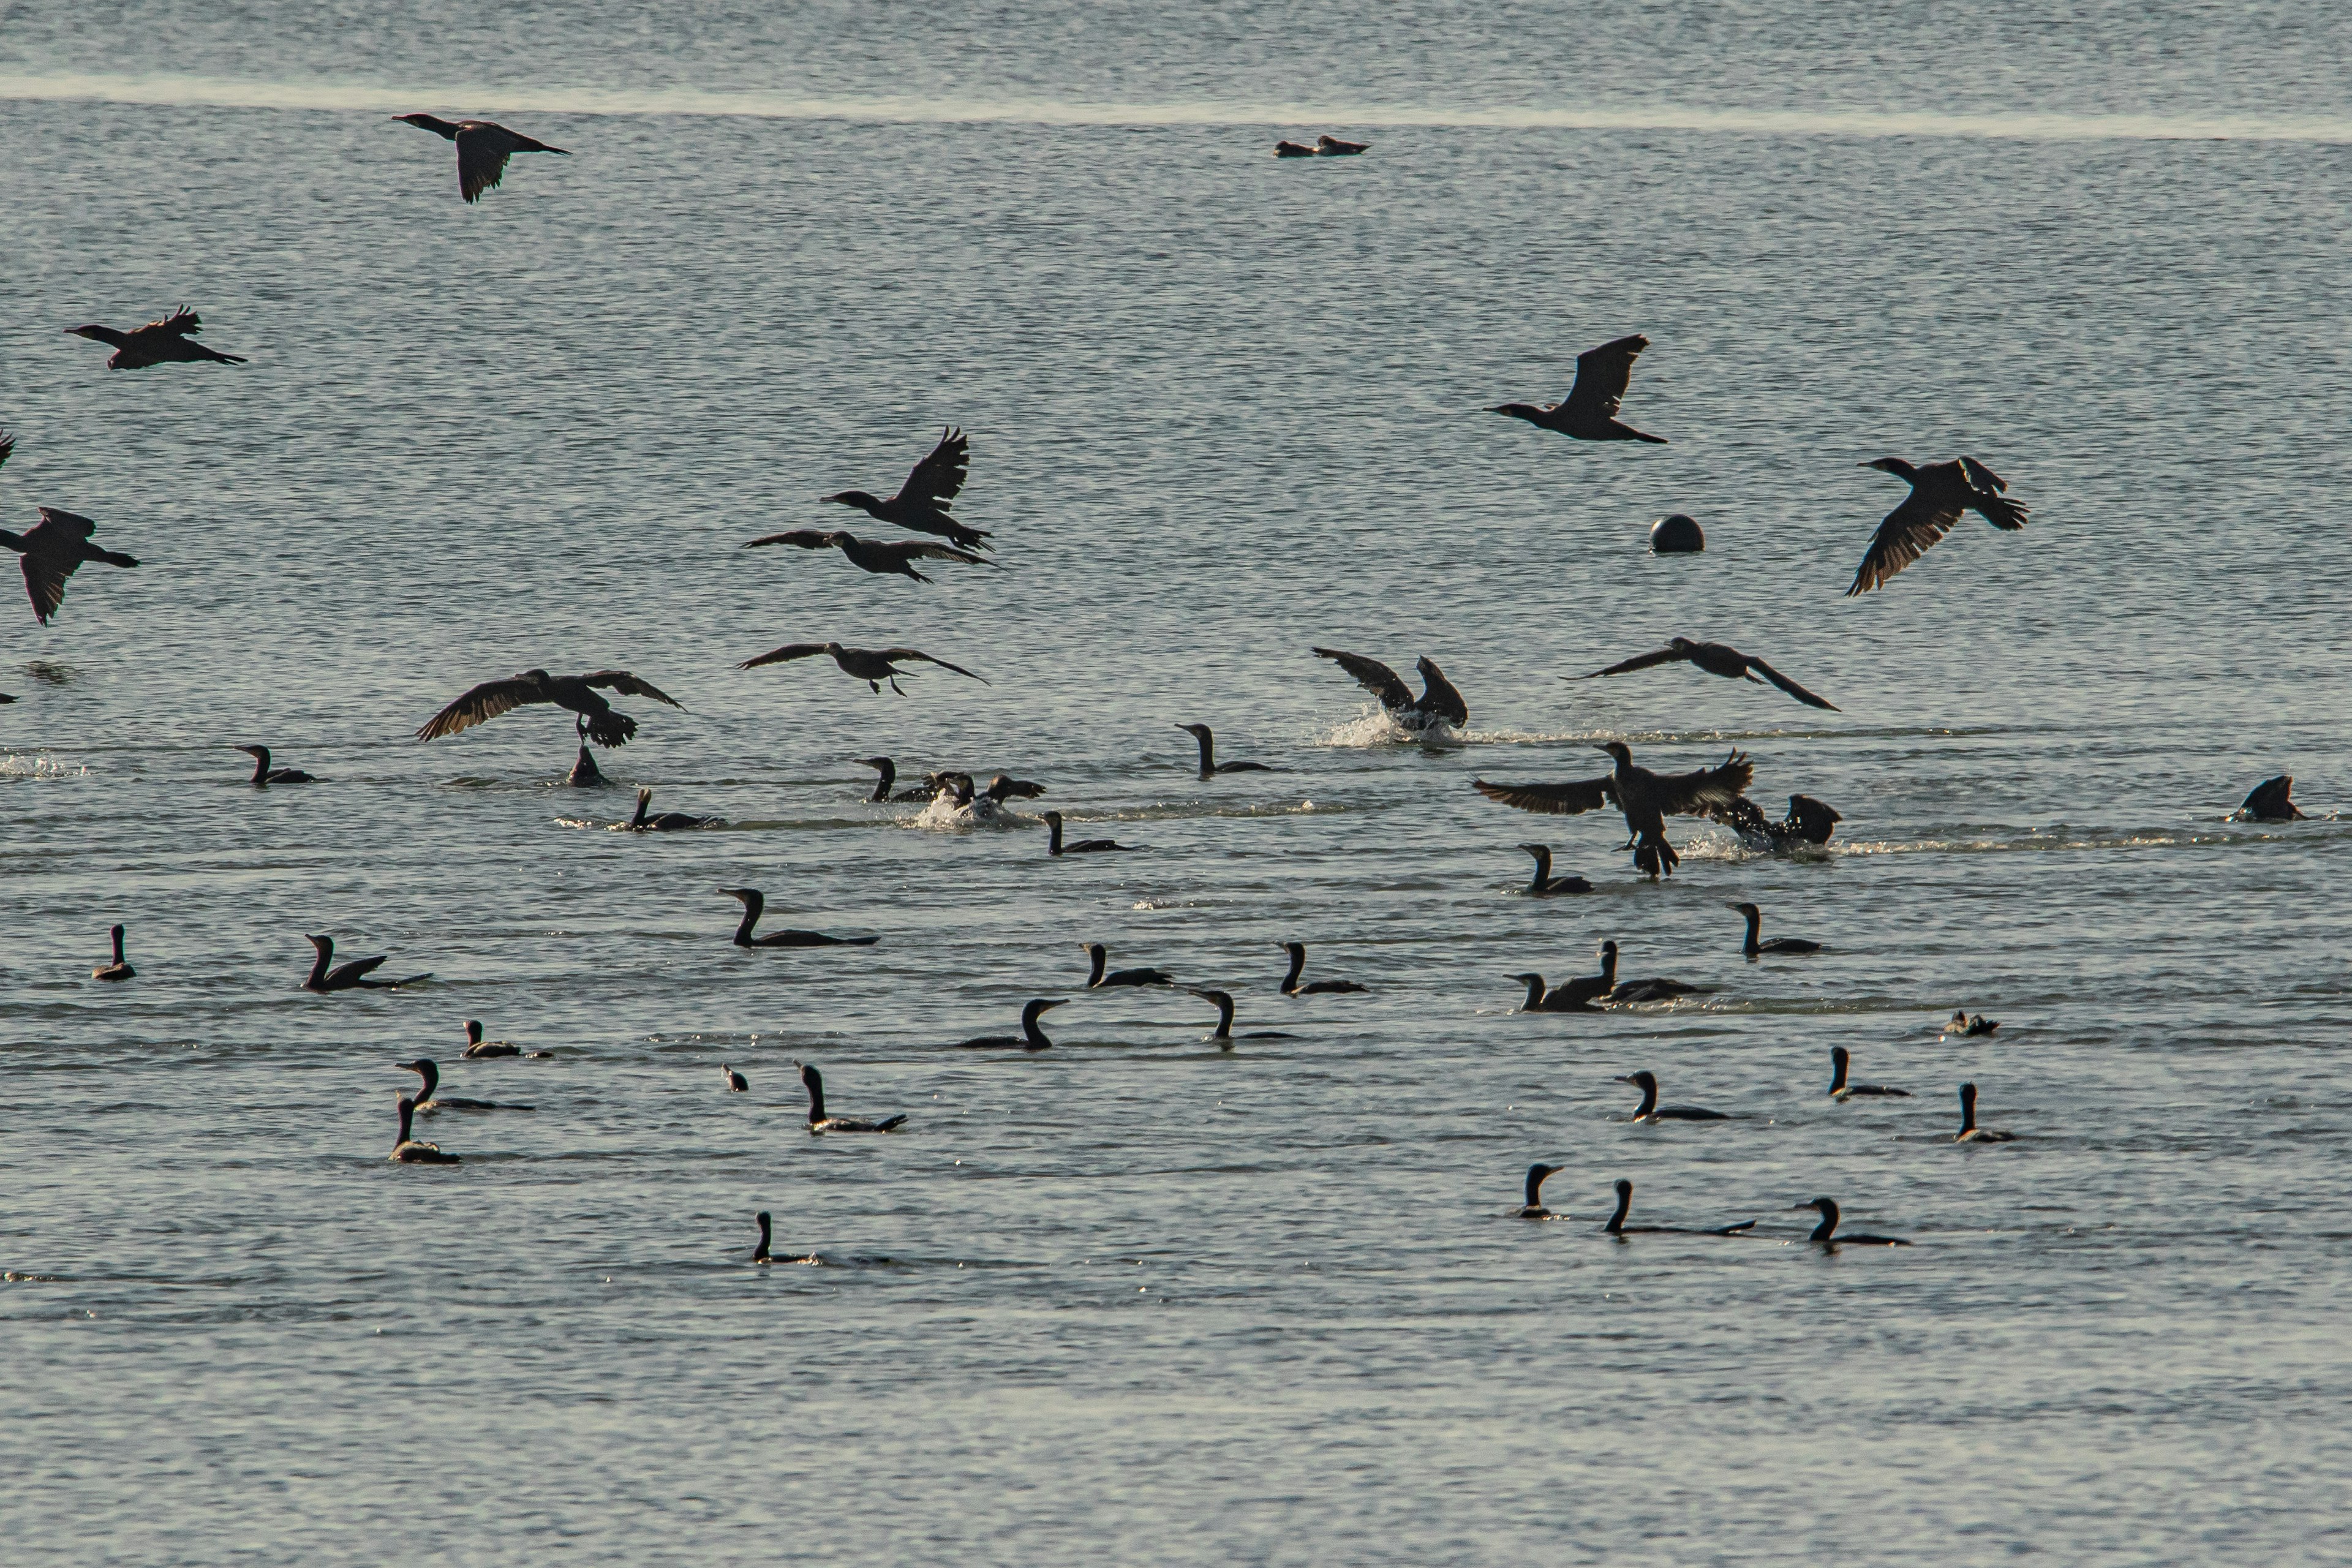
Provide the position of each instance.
(2003, 513)
(610, 728)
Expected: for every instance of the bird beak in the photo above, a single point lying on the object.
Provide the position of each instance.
(1623, 1078)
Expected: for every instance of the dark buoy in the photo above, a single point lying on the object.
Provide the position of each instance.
(1674, 535)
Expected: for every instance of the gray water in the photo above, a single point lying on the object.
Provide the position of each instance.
(1133, 1300)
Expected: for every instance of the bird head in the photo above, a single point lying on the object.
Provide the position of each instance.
(1624, 1187)
(1619, 750)
(1644, 1079)
(1825, 1206)
(252, 751)
(1894, 466)
(1838, 1052)
(1516, 410)
(1052, 819)
(1967, 1094)
(92, 330)
(473, 1031)
(858, 499)
(323, 944)
(1044, 1004)
(1530, 978)
(1195, 731)
(1745, 909)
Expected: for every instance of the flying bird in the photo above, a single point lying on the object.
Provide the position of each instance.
(1939, 493)
(922, 502)
(52, 550)
(167, 340)
(872, 665)
(1438, 700)
(483, 148)
(884, 558)
(1589, 411)
(1646, 798)
(1714, 658)
(593, 716)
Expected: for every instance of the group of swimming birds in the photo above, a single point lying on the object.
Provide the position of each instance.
(54, 548)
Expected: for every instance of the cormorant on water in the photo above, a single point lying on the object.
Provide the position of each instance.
(1533, 1209)
(736, 1082)
(887, 776)
(1290, 985)
(352, 977)
(922, 502)
(1096, 979)
(407, 1150)
(1809, 821)
(1714, 658)
(1030, 1038)
(1825, 1231)
(1589, 411)
(1005, 787)
(1438, 701)
(881, 557)
(1223, 1034)
(1970, 1132)
(1544, 883)
(870, 665)
(1055, 846)
(264, 774)
(818, 1121)
(121, 968)
(1293, 150)
(754, 901)
(427, 1069)
(592, 715)
(477, 1048)
(1210, 767)
(1658, 988)
(1966, 1025)
(1576, 995)
(1779, 946)
(52, 550)
(483, 148)
(584, 773)
(1939, 493)
(167, 340)
(1646, 799)
(1617, 1226)
(1841, 1089)
(760, 1253)
(2272, 800)
(669, 821)
(1332, 147)
(1651, 1111)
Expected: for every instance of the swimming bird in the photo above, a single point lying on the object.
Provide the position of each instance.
(1293, 150)
(352, 977)
(1779, 946)
(872, 665)
(887, 776)
(121, 968)
(584, 773)
(478, 1048)
(736, 1082)
(1939, 493)
(1617, 1226)
(760, 1253)
(818, 1121)
(483, 148)
(1970, 1132)
(1651, 1111)
(1810, 821)
(1544, 883)
(1030, 1038)
(1967, 1026)
(669, 821)
(1439, 702)
(1054, 843)
(1332, 147)
(266, 775)
(1841, 1089)
(1646, 799)
(1223, 1033)
(52, 550)
(407, 1150)
(1005, 787)
(1714, 658)
(754, 903)
(1588, 413)
(922, 502)
(1576, 995)
(1290, 985)
(1825, 1231)
(592, 715)
(880, 557)
(1657, 988)
(427, 1069)
(167, 340)
(1533, 1209)
(1210, 767)
(1096, 954)
(2272, 800)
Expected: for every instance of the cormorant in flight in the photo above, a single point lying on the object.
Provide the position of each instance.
(265, 775)
(882, 557)
(754, 903)
(1646, 798)
(483, 148)
(922, 502)
(1589, 411)
(593, 717)
(872, 665)
(167, 340)
(1939, 493)
(1714, 658)
(1438, 700)
(52, 550)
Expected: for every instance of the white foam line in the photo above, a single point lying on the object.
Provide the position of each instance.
(355, 97)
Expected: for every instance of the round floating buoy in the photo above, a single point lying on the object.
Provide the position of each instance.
(1676, 534)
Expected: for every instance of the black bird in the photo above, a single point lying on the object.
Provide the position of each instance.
(407, 1150)
(1223, 1034)
(1332, 147)
(1589, 411)
(1714, 658)
(352, 977)
(1210, 767)
(121, 968)
(1290, 986)
(1779, 946)
(1533, 1209)
(1939, 493)
(1055, 846)
(1544, 883)
(884, 558)
(1438, 701)
(922, 502)
(167, 340)
(1617, 1226)
(872, 665)
(1651, 1111)
(754, 901)
(1841, 1089)
(669, 821)
(1005, 787)
(736, 1082)
(1293, 150)
(1576, 996)
(593, 716)
(1646, 799)
(1970, 1132)
(477, 1048)
(483, 148)
(887, 776)
(52, 550)
(1825, 1231)
(265, 775)
(2272, 800)
(584, 773)
(427, 1069)
(1809, 821)
(760, 1254)
(1966, 1025)
(1030, 1038)
(818, 1121)
(1096, 954)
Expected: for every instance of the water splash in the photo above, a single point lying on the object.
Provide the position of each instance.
(16, 766)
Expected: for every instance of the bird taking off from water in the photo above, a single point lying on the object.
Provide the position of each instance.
(884, 558)
(1716, 658)
(483, 148)
(871, 664)
(1646, 798)
(1939, 493)
(52, 550)
(922, 502)
(1589, 411)
(595, 717)
(167, 340)
(1438, 699)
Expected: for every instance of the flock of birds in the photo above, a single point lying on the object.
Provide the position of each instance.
(1941, 494)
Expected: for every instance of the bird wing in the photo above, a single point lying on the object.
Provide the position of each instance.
(1371, 675)
(1438, 695)
(8, 445)
(938, 478)
(1788, 685)
(67, 525)
(1642, 661)
(1985, 489)
(1981, 477)
(1690, 793)
(924, 550)
(1602, 375)
(45, 582)
(481, 159)
(778, 656)
(181, 323)
(1571, 799)
(628, 685)
(895, 655)
(358, 967)
(482, 704)
(806, 538)
(1910, 532)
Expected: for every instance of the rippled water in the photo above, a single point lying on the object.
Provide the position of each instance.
(1133, 1300)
